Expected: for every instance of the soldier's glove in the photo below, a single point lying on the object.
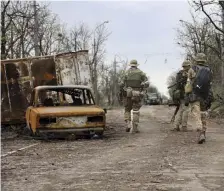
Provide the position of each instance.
(145, 84)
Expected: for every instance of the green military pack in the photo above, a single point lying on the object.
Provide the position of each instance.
(134, 77)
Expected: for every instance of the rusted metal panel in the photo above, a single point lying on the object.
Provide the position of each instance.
(69, 111)
(78, 121)
(73, 69)
(72, 122)
(20, 76)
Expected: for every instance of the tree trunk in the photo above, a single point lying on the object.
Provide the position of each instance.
(3, 36)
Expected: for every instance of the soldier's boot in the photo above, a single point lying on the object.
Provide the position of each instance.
(134, 128)
(184, 128)
(176, 128)
(127, 117)
(137, 128)
(128, 127)
(201, 138)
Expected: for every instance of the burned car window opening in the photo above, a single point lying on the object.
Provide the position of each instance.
(69, 97)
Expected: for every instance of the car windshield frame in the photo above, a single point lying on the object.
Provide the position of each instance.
(86, 94)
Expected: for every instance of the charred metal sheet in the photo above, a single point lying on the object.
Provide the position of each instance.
(69, 111)
(16, 90)
(73, 69)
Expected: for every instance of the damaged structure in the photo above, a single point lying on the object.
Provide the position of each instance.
(19, 77)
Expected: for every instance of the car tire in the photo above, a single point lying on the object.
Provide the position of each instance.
(28, 131)
(100, 134)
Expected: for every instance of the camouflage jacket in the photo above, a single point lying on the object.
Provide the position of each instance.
(133, 78)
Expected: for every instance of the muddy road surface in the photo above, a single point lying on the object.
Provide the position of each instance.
(154, 159)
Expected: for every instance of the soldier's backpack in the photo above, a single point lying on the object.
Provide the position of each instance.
(201, 84)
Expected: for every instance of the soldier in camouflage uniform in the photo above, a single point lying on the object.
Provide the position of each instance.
(182, 114)
(134, 81)
(198, 104)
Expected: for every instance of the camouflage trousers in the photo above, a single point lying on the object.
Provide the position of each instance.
(129, 105)
(182, 115)
(200, 117)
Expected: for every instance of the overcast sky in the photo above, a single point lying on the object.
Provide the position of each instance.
(138, 28)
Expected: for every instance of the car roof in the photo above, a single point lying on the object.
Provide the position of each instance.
(62, 87)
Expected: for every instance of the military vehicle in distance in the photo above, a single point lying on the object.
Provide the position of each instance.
(153, 99)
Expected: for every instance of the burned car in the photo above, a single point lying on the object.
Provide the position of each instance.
(67, 109)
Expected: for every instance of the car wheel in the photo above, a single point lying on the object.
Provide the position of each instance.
(28, 131)
(99, 135)
(71, 137)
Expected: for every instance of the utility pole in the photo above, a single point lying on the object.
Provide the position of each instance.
(37, 50)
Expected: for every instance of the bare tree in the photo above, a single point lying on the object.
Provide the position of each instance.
(212, 10)
(200, 36)
(100, 37)
(15, 17)
(18, 28)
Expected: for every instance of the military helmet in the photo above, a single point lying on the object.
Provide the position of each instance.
(200, 57)
(133, 63)
(186, 63)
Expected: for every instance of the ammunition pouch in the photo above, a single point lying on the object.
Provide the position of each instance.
(193, 97)
(136, 95)
(129, 92)
(188, 87)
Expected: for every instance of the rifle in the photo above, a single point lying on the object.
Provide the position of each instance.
(175, 113)
(121, 93)
(183, 80)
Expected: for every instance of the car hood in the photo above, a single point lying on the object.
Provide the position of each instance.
(68, 111)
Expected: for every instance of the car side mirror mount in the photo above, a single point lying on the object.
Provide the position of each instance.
(105, 110)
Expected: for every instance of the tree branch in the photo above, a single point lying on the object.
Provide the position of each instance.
(213, 23)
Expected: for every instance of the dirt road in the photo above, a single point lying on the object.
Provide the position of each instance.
(155, 159)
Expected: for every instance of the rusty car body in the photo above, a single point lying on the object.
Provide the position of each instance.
(20, 76)
(64, 109)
